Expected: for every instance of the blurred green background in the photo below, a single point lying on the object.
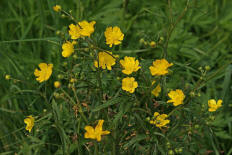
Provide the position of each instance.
(28, 36)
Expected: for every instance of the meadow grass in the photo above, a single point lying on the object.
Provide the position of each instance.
(192, 34)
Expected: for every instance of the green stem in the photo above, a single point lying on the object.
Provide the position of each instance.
(99, 78)
(73, 102)
(95, 148)
(172, 27)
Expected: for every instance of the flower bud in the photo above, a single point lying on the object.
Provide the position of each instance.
(58, 32)
(57, 84)
(148, 119)
(141, 41)
(72, 80)
(75, 56)
(152, 44)
(196, 126)
(65, 64)
(170, 152)
(7, 77)
(63, 16)
(168, 145)
(180, 150)
(56, 95)
(192, 94)
(207, 67)
(60, 76)
(200, 69)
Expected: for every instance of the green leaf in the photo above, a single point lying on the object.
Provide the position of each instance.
(223, 135)
(227, 80)
(134, 140)
(107, 104)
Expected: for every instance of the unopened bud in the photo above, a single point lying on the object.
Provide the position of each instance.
(58, 32)
(60, 76)
(170, 152)
(7, 77)
(57, 84)
(75, 56)
(192, 94)
(141, 41)
(152, 44)
(65, 64)
(207, 68)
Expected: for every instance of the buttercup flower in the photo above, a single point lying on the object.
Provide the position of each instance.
(156, 90)
(57, 8)
(129, 84)
(57, 84)
(82, 29)
(213, 105)
(44, 73)
(74, 31)
(86, 28)
(160, 67)
(130, 65)
(160, 120)
(30, 122)
(97, 132)
(177, 97)
(68, 48)
(105, 60)
(113, 36)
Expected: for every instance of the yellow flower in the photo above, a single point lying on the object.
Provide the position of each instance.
(7, 77)
(82, 29)
(86, 28)
(57, 84)
(74, 31)
(30, 122)
(213, 106)
(113, 36)
(97, 132)
(129, 84)
(157, 89)
(130, 65)
(177, 97)
(68, 48)
(105, 60)
(44, 73)
(57, 8)
(160, 67)
(160, 120)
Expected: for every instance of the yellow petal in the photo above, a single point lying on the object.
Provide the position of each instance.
(98, 138)
(36, 72)
(42, 66)
(106, 132)
(99, 126)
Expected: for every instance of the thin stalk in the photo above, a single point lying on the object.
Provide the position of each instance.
(172, 27)
(95, 148)
(74, 103)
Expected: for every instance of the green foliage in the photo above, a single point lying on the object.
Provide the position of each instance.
(191, 34)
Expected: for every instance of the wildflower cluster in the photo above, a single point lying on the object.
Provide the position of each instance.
(90, 69)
